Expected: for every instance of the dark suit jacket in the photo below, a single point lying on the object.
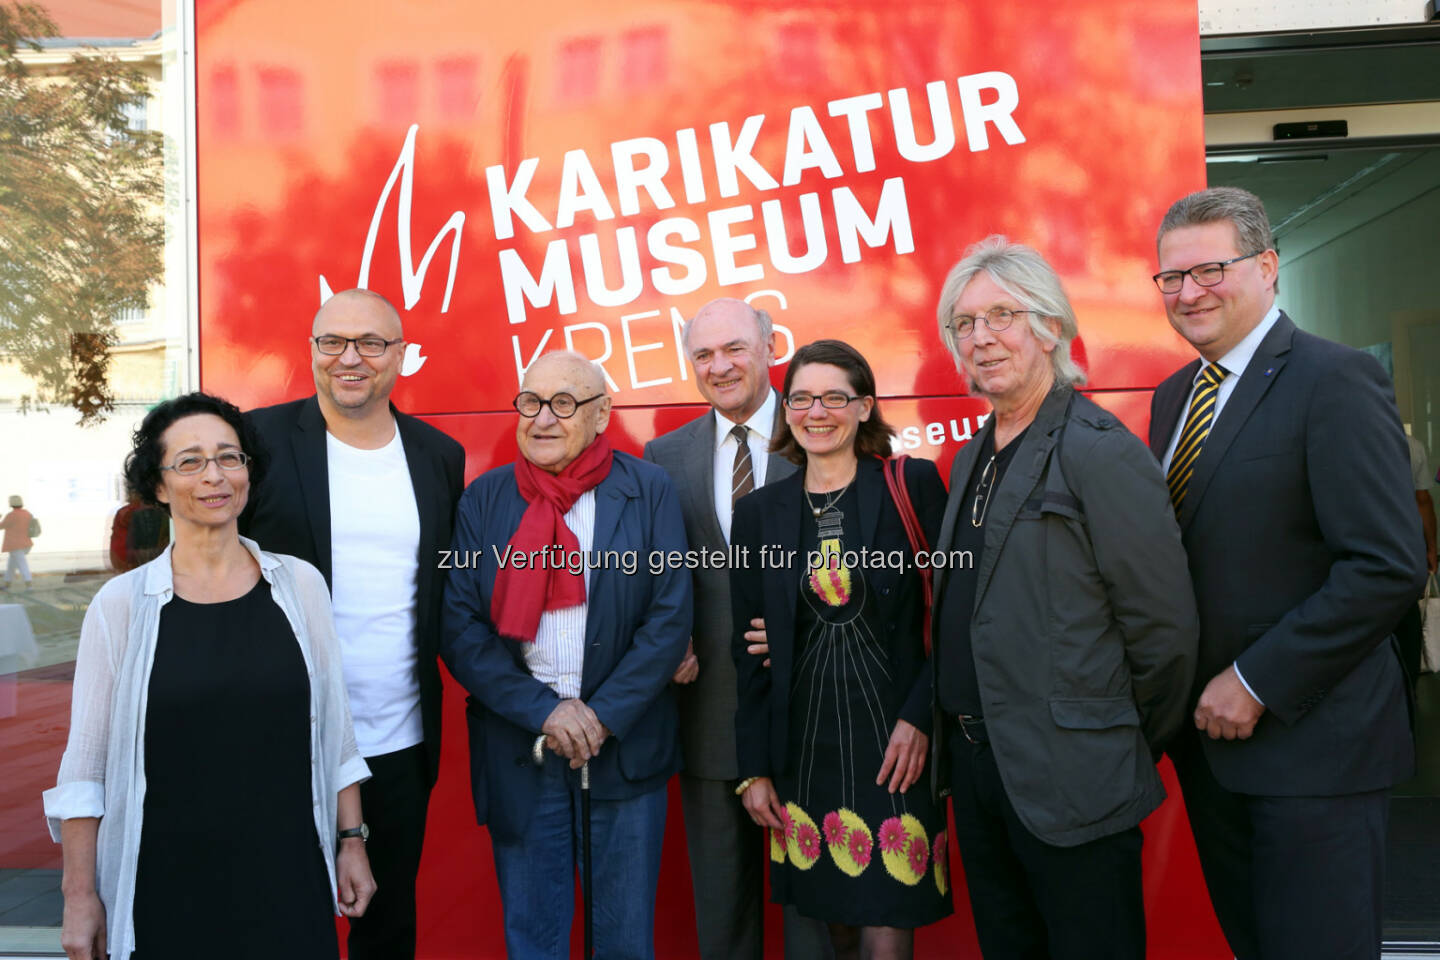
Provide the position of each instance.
(636, 629)
(707, 706)
(1300, 528)
(290, 513)
(772, 516)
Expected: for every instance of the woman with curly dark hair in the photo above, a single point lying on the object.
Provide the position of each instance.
(211, 765)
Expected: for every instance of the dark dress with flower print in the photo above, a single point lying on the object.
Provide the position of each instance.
(852, 852)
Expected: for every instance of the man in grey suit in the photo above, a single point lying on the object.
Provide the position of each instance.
(714, 460)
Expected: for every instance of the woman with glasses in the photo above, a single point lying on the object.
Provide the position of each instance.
(208, 799)
(833, 736)
(1065, 650)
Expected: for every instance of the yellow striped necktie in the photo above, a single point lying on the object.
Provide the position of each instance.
(1197, 428)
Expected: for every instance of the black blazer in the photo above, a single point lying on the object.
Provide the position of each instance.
(1299, 525)
(772, 516)
(290, 513)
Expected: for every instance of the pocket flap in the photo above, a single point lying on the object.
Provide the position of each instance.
(1053, 502)
(1094, 713)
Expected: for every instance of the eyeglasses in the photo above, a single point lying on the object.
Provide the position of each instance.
(1204, 274)
(997, 319)
(833, 400)
(192, 463)
(563, 405)
(333, 346)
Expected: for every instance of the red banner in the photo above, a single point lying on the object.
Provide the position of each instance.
(518, 178)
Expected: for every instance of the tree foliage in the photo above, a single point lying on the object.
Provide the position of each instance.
(81, 221)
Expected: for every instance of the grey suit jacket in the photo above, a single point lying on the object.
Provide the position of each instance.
(707, 706)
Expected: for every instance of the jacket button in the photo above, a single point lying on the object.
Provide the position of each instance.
(522, 761)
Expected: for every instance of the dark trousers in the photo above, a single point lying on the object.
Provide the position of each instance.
(394, 801)
(1289, 877)
(726, 859)
(1033, 900)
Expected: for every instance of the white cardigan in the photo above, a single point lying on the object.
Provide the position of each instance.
(102, 773)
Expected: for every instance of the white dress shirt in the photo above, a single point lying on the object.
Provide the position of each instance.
(757, 431)
(557, 657)
(1235, 362)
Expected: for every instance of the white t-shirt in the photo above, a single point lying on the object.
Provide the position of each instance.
(374, 550)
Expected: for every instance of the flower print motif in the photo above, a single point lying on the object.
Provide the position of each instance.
(808, 841)
(850, 835)
(941, 855)
(919, 855)
(803, 843)
(787, 824)
(893, 835)
(899, 836)
(777, 846)
(860, 845)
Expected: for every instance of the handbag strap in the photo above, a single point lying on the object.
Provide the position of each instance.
(894, 470)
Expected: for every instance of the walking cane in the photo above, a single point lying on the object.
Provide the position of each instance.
(587, 892)
(587, 896)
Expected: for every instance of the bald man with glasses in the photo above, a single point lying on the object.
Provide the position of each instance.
(367, 494)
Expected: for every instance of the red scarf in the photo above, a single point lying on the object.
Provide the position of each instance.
(522, 593)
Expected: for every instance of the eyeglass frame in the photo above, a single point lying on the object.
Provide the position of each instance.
(550, 402)
(821, 397)
(356, 342)
(975, 319)
(205, 462)
(1222, 264)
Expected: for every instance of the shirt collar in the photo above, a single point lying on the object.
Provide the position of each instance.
(762, 421)
(1241, 354)
(160, 576)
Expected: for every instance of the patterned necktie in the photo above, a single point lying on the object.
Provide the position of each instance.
(1197, 428)
(742, 475)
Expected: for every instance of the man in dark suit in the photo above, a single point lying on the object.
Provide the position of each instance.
(714, 460)
(1287, 466)
(367, 494)
(565, 625)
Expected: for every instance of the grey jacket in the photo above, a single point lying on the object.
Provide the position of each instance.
(1084, 629)
(707, 706)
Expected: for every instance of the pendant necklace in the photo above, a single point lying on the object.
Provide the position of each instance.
(832, 497)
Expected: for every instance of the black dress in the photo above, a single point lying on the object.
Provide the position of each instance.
(230, 865)
(852, 852)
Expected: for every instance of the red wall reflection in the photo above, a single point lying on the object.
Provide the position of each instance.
(865, 145)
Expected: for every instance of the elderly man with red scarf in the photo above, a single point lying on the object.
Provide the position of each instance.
(566, 636)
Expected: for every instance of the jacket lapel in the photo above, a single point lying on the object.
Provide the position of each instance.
(869, 493)
(699, 489)
(782, 527)
(610, 497)
(308, 445)
(1263, 370)
(427, 485)
(1019, 480)
(1170, 408)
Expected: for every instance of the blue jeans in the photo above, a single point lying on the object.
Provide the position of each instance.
(537, 874)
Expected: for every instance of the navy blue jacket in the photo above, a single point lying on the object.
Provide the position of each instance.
(1299, 525)
(636, 629)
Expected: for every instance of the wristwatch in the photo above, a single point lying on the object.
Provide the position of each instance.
(362, 831)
